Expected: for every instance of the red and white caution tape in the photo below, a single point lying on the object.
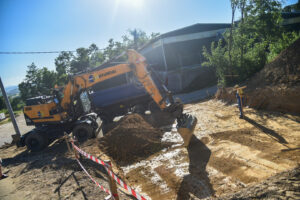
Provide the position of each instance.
(115, 177)
(100, 186)
(93, 158)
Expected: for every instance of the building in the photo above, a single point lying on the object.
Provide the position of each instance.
(177, 56)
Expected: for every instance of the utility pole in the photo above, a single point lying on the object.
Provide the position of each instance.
(17, 136)
(135, 39)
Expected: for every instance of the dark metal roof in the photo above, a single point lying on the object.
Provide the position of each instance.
(200, 27)
(287, 15)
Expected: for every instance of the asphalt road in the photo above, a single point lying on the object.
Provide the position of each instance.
(6, 130)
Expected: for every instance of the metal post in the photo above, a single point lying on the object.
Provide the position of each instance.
(163, 51)
(17, 136)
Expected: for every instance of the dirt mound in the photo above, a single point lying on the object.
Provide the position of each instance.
(284, 69)
(276, 98)
(282, 186)
(131, 140)
(276, 87)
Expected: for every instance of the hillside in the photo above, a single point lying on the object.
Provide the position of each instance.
(11, 90)
(276, 87)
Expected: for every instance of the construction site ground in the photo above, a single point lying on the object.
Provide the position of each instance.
(227, 155)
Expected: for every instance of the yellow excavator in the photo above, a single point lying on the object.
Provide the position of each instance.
(69, 108)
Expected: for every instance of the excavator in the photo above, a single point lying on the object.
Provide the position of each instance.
(69, 109)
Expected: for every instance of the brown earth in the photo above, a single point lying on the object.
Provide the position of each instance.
(276, 87)
(50, 174)
(227, 155)
(285, 185)
(133, 139)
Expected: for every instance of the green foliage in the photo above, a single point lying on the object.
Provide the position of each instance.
(249, 44)
(16, 103)
(217, 58)
(41, 81)
(2, 103)
(286, 39)
(62, 63)
(37, 82)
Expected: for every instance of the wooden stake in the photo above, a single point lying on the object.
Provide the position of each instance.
(76, 153)
(112, 183)
(0, 169)
(67, 141)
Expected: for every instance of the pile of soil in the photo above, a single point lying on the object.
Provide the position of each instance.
(276, 87)
(284, 185)
(283, 70)
(133, 139)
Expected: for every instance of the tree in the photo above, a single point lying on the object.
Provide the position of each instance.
(246, 46)
(16, 103)
(40, 81)
(233, 4)
(2, 103)
(62, 63)
(37, 82)
(28, 88)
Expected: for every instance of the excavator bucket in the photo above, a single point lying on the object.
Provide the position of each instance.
(185, 127)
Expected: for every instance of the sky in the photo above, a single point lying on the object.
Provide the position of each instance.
(54, 25)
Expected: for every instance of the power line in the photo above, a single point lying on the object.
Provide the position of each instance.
(38, 52)
(31, 52)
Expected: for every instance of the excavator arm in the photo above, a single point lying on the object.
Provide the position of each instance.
(136, 64)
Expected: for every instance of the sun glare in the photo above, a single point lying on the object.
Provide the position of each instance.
(132, 3)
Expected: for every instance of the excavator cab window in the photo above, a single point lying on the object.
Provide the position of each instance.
(38, 100)
(57, 95)
(85, 102)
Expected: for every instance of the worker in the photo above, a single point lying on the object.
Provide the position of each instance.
(2, 176)
(240, 99)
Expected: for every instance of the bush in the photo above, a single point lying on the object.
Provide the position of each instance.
(17, 103)
(286, 40)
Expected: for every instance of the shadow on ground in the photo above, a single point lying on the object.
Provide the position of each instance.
(267, 131)
(197, 183)
(54, 157)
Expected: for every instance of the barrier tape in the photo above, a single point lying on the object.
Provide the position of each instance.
(100, 186)
(115, 177)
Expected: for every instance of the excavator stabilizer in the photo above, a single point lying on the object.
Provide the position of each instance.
(185, 126)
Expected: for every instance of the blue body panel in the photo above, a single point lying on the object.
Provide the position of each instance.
(116, 95)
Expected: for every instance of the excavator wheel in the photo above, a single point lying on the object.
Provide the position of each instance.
(36, 141)
(82, 132)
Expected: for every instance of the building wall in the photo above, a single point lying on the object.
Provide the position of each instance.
(178, 60)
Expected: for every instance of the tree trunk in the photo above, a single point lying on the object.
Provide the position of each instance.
(233, 7)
